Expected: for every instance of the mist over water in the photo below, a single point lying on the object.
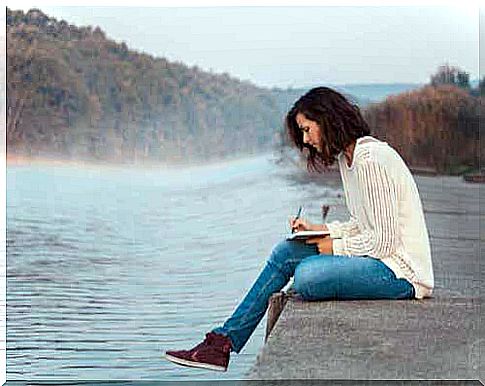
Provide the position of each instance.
(109, 267)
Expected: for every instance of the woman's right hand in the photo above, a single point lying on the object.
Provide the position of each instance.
(300, 225)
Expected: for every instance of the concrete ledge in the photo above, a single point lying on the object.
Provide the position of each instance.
(379, 339)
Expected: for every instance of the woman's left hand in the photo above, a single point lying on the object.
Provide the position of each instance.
(324, 244)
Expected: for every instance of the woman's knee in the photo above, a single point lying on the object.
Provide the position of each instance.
(281, 252)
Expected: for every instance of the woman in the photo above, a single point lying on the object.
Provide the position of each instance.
(382, 252)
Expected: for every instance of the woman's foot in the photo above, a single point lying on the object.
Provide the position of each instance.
(212, 354)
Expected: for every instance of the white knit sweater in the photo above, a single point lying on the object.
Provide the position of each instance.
(386, 215)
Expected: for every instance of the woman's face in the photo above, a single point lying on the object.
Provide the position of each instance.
(311, 131)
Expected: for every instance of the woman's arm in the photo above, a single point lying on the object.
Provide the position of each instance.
(340, 229)
(379, 197)
(318, 227)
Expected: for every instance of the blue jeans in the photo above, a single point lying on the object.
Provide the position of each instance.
(316, 277)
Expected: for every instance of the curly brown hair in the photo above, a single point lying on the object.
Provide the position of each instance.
(339, 120)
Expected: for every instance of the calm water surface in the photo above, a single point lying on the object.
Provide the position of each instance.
(109, 267)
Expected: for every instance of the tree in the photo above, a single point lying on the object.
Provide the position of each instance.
(447, 74)
(21, 86)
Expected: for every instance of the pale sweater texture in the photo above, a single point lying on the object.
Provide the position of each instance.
(386, 214)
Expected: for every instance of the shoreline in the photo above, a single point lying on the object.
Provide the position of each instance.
(21, 160)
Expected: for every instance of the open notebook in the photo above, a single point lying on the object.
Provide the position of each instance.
(306, 234)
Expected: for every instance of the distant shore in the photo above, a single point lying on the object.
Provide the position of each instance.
(22, 160)
(19, 160)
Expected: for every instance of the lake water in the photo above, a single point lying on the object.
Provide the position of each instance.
(108, 267)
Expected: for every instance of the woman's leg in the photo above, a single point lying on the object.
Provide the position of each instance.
(279, 268)
(322, 277)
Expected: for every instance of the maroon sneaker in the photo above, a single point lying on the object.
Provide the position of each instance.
(213, 353)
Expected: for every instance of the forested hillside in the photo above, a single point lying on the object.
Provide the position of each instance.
(74, 92)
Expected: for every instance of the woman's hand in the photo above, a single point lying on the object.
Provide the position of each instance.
(304, 225)
(300, 225)
(324, 244)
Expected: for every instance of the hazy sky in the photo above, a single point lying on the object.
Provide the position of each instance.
(297, 46)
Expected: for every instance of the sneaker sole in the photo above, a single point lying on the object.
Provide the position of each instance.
(201, 365)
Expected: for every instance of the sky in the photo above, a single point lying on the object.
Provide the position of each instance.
(289, 46)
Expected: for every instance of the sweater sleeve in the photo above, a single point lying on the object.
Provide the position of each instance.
(338, 229)
(378, 193)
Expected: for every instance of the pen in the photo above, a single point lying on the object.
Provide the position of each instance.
(297, 217)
